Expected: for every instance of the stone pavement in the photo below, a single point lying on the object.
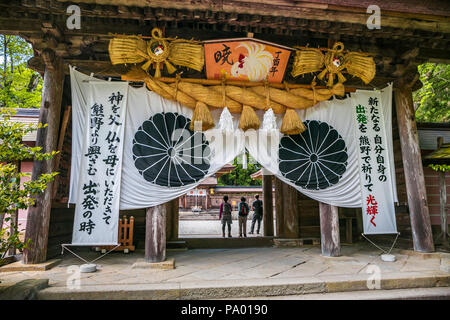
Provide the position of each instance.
(245, 272)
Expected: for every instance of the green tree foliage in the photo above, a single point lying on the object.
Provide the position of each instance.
(13, 194)
(20, 87)
(240, 176)
(433, 98)
(440, 167)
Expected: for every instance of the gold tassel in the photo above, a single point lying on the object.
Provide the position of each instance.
(322, 74)
(202, 113)
(292, 124)
(146, 65)
(157, 70)
(135, 74)
(341, 77)
(249, 119)
(170, 68)
(338, 89)
(330, 80)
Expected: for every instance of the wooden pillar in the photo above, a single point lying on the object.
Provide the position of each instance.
(39, 215)
(279, 204)
(412, 165)
(443, 236)
(290, 212)
(155, 234)
(443, 202)
(329, 230)
(267, 205)
(175, 218)
(172, 211)
(168, 218)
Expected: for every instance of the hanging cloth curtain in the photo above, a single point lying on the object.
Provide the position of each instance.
(163, 158)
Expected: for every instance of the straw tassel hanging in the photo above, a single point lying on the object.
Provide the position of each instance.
(202, 114)
(292, 124)
(170, 68)
(249, 119)
(157, 70)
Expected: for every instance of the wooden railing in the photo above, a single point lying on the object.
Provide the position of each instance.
(126, 227)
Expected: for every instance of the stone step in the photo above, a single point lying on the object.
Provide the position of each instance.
(399, 294)
(245, 288)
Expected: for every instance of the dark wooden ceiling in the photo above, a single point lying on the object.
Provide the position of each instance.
(411, 32)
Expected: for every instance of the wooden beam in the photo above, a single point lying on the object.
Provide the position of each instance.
(275, 12)
(329, 230)
(99, 68)
(39, 215)
(413, 170)
(267, 205)
(279, 204)
(155, 234)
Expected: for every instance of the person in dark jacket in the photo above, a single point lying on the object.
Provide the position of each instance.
(243, 210)
(257, 206)
(225, 216)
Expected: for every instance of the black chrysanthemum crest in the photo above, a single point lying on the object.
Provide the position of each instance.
(315, 159)
(166, 152)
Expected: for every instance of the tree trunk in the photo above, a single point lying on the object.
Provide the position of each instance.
(39, 215)
(267, 205)
(329, 230)
(155, 234)
(413, 169)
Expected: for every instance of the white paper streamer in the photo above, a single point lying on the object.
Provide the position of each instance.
(226, 121)
(269, 120)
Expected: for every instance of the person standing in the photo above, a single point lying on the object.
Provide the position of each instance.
(243, 210)
(225, 216)
(257, 206)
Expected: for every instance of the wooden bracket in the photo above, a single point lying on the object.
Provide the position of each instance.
(49, 57)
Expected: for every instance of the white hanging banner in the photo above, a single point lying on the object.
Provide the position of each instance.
(100, 167)
(163, 158)
(374, 164)
(321, 162)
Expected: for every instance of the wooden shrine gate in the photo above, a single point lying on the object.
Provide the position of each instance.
(412, 33)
